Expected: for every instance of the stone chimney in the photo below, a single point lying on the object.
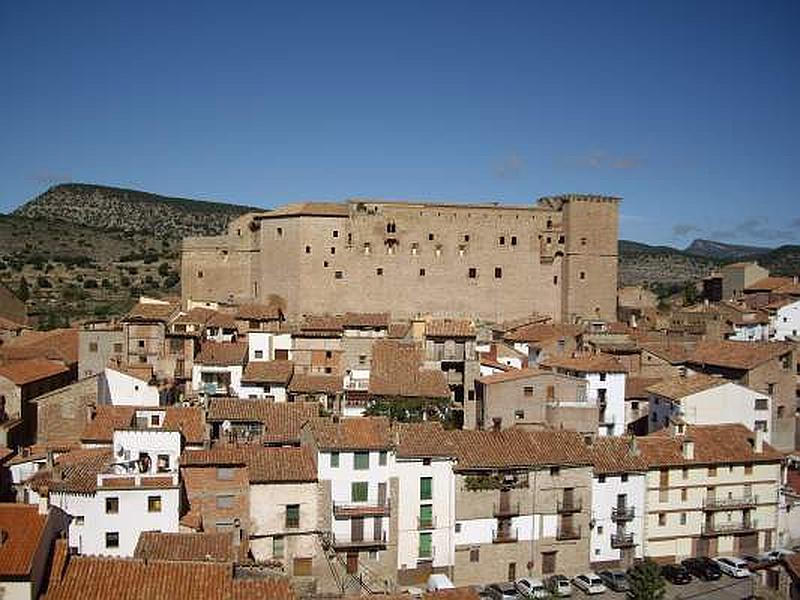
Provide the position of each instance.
(688, 449)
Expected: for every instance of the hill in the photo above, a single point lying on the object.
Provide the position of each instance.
(119, 209)
(723, 251)
(662, 266)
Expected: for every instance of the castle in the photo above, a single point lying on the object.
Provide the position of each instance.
(496, 262)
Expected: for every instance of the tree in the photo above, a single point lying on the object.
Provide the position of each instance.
(163, 269)
(689, 294)
(646, 582)
(23, 292)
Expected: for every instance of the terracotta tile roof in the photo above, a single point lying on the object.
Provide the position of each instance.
(510, 375)
(196, 316)
(449, 328)
(212, 547)
(282, 420)
(58, 344)
(222, 354)
(222, 319)
(419, 440)
(59, 563)
(96, 578)
(351, 433)
(11, 325)
(23, 527)
(264, 464)
(792, 564)
(153, 311)
(673, 352)
(188, 420)
(322, 323)
(769, 284)
(541, 333)
(371, 320)
(23, 372)
(676, 388)
(39, 451)
(396, 371)
(636, 387)
(586, 363)
(491, 363)
(75, 471)
(515, 447)
(512, 324)
(713, 444)
(259, 312)
(398, 330)
(143, 373)
(303, 383)
(616, 454)
(737, 355)
(271, 371)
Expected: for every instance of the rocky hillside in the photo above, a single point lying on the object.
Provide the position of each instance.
(722, 251)
(640, 264)
(130, 211)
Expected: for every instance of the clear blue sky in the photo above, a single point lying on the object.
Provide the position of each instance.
(687, 109)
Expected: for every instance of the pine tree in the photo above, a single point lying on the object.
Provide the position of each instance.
(23, 292)
(646, 582)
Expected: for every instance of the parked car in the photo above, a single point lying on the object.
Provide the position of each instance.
(735, 567)
(615, 580)
(439, 581)
(531, 588)
(703, 568)
(777, 554)
(589, 583)
(559, 585)
(677, 574)
(503, 591)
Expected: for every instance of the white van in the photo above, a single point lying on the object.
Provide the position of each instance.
(439, 581)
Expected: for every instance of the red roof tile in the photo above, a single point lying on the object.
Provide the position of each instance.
(676, 388)
(370, 320)
(187, 420)
(738, 355)
(449, 328)
(222, 354)
(57, 344)
(303, 383)
(259, 312)
(203, 547)
(586, 363)
(282, 420)
(22, 527)
(351, 433)
(264, 464)
(616, 454)
(271, 371)
(153, 311)
(397, 371)
(23, 372)
(538, 333)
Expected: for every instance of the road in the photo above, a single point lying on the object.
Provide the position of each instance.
(726, 588)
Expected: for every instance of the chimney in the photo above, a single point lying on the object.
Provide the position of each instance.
(688, 449)
(43, 501)
(237, 532)
(758, 446)
(496, 423)
(633, 446)
(50, 459)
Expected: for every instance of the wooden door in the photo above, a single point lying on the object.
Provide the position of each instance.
(357, 529)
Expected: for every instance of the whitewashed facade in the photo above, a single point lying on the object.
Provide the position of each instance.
(786, 322)
(127, 390)
(618, 511)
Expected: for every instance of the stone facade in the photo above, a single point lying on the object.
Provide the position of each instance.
(557, 257)
(63, 414)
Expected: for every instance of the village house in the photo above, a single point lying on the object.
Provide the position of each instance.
(269, 343)
(711, 490)
(326, 390)
(618, 502)
(144, 329)
(105, 420)
(259, 317)
(28, 534)
(605, 377)
(523, 503)
(661, 359)
(705, 400)
(133, 386)
(534, 399)
(100, 344)
(637, 404)
(359, 332)
(766, 367)
(236, 421)
(218, 368)
(785, 320)
(194, 547)
(538, 341)
(738, 276)
(266, 380)
(449, 346)
(317, 346)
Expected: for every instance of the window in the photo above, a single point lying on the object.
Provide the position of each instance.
(519, 414)
(771, 389)
(414, 248)
(335, 233)
(762, 404)
(474, 555)
(338, 275)
(391, 227)
(555, 279)
(279, 231)
(472, 273)
(154, 504)
(624, 477)
(685, 472)
(781, 411)
(118, 348)
(382, 458)
(358, 491)
(361, 461)
(555, 471)
(426, 544)
(259, 354)
(662, 519)
(379, 271)
(292, 516)
(599, 530)
(601, 478)
(634, 405)
(92, 346)
(458, 527)
(277, 547)
(362, 359)
(582, 275)
(712, 471)
(684, 494)
(162, 463)
(548, 563)
(155, 420)
(498, 273)
(199, 274)
(224, 473)
(502, 240)
(112, 506)
(430, 237)
(367, 247)
(761, 426)
(333, 250)
(748, 469)
(140, 343)
(325, 263)
(422, 272)
(224, 501)
(425, 488)
(513, 240)
(78, 520)
(683, 518)
(466, 237)
(112, 539)
(334, 460)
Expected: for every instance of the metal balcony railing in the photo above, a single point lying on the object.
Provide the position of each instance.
(622, 513)
(568, 533)
(504, 536)
(621, 540)
(729, 527)
(569, 505)
(714, 503)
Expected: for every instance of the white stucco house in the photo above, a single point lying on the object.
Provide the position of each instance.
(265, 345)
(127, 387)
(785, 322)
(266, 380)
(700, 399)
(218, 368)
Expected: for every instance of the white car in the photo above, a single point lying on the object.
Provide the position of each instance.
(589, 583)
(531, 588)
(735, 567)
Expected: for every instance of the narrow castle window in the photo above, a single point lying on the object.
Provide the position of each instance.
(422, 272)
(333, 250)
(472, 273)
(466, 237)
(498, 272)
(561, 239)
(367, 247)
(583, 241)
(379, 271)
(502, 240)
(439, 250)
(414, 248)
(308, 249)
(549, 224)
(280, 231)
(338, 274)
(462, 250)
(430, 237)
(325, 264)
(391, 227)
(513, 240)
(583, 275)
(555, 279)
(335, 233)
(199, 274)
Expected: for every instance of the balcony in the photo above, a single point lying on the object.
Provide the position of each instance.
(568, 533)
(622, 540)
(569, 505)
(506, 509)
(740, 502)
(359, 544)
(729, 528)
(426, 522)
(426, 555)
(504, 536)
(622, 513)
(347, 511)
